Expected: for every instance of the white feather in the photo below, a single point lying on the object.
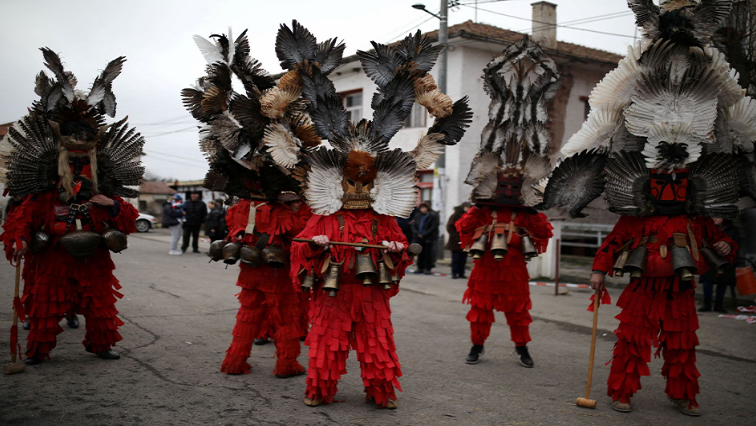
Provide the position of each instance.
(283, 146)
(428, 150)
(730, 90)
(741, 121)
(596, 131)
(484, 164)
(324, 191)
(617, 87)
(210, 50)
(535, 172)
(231, 46)
(394, 195)
(672, 133)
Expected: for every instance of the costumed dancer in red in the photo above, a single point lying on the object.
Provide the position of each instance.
(72, 212)
(503, 231)
(268, 299)
(356, 190)
(665, 141)
(239, 130)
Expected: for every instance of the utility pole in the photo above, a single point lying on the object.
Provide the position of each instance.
(439, 175)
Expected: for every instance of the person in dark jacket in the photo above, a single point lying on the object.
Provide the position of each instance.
(405, 224)
(173, 217)
(223, 230)
(213, 221)
(710, 279)
(425, 230)
(196, 213)
(459, 255)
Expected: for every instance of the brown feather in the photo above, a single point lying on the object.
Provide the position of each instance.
(360, 167)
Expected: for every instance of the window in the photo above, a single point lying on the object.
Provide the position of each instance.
(586, 107)
(417, 117)
(353, 105)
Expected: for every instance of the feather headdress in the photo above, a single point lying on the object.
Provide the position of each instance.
(250, 139)
(360, 171)
(67, 122)
(515, 142)
(672, 105)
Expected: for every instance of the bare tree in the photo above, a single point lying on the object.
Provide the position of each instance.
(736, 38)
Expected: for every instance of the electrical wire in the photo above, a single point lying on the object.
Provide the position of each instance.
(173, 155)
(404, 33)
(598, 18)
(548, 23)
(184, 130)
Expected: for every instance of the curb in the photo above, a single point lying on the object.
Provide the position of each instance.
(533, 283)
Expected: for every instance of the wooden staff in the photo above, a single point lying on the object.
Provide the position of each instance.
(587, 402)
(413, 249)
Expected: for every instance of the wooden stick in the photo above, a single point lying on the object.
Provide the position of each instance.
(341, 243)
(587, 402)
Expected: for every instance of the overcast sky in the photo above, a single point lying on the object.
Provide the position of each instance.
(156, 38)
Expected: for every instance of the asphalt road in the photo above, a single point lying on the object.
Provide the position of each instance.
(179, 312)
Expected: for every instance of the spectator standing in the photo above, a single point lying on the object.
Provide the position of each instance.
(223, 230)
(459, 255)
(425, 230)
(710, 279)
(196, 213)
(406, 224)
(173, 217)
(213, 222)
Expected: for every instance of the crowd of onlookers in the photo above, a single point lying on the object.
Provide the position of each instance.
(187, 218)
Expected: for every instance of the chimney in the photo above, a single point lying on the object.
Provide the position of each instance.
(544, 24)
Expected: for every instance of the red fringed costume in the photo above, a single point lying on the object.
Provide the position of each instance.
(657, 309)
(358, 317)
(62, 283)
(501, 285)
(270, 304)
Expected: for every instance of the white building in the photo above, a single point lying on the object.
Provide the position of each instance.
(471, 47)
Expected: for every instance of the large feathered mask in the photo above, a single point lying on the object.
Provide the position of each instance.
(512, 164)
(670, 131)
(64, 142)
(360, 171)
(239, 129)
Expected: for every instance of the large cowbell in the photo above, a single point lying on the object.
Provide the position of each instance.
(683, 262)
(636, 262)
(365, 268)
(499, 246)
(332, 277)
(529, 250)
(478, 248)
(715, 261)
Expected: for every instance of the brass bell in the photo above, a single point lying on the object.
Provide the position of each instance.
(309, 281)
(714, 260)
(216, 250)
(478, 248)
(619, 264)
(529, 250)
(384, 275)
(683, 263)
(499, 246)
(274, 256)
(115, 240)
(231, 253)
(251, 256)
(40, 242)
(414, 249)
(331, 283)
(636, 261)
(395, 278)
(365, 269)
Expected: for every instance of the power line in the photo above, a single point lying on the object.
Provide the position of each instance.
(598, 18)
(171, 132)
(557, 25)
(404, 33)
(174, 156)
(170, 120)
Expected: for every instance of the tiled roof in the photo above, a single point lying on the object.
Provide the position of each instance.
(485, 32)
(155, 187)
(4, 128)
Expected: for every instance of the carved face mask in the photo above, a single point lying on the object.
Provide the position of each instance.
(356, 194)
(669, 190)
(508, 189)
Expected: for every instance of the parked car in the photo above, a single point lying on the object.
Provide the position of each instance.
(145, 222)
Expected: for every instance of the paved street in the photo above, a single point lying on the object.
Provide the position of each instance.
(179, 312)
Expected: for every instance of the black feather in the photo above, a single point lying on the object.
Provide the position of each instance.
(419, 50)
(329, 118)
(294, 45)
(453, 127)
(328, 55)
(380, 64)
(714, 186)
(575, 182)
